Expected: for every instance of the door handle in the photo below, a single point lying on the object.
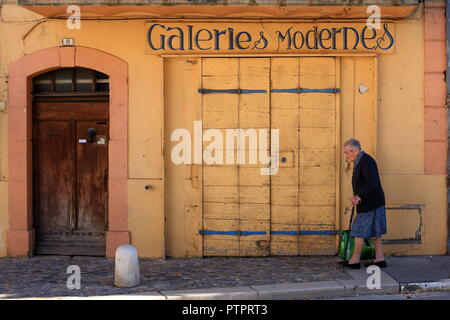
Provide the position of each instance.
(91, 132)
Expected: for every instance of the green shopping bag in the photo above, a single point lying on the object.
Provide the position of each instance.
(367, 252)
(347, 245)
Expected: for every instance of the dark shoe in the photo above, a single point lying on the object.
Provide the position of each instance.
(352, 265)
(381, 264)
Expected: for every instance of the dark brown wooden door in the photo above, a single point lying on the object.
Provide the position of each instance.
(70, 151)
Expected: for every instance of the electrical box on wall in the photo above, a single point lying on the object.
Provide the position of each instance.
(2, 106)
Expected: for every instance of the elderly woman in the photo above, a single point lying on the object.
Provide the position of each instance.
(370, 221)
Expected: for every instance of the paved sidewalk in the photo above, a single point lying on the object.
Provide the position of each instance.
(45, 276)
(217, 278)
(418, 268)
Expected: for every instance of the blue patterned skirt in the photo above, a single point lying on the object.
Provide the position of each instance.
(370, 224)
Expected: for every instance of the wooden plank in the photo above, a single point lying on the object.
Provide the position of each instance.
(317, 82)
(220, 102)
(283, 227)
(254, 73)
(220, 176)
(92, 177)
(220, 110)
(220, 73)
(246, 163)
(254, 111)
(311, 157)
(254, 108)
(317, 138)
(235, 139)
(288, 137)
(220, 194)
(283, 248)
(252, 177)
(317, 195)
(54, 175)
(317, 245)
(316, 227)
(317, 73)
(219, 66)
(285, 177)
(254, 102)
(317, 66)
(284, 118)
(254, 225)
(317, 118)
(284, 73)
(221, 248)
(219, 81)
(285, 215)
(222, 225)
(318, 100)
(222, 142)
(318, 142)
(254, 194)
(284, 195)
(254, 211)
(284, 100)
(317, 176)
(220, 210)
(317, 215)
(254, 248)
(73, 110)
(254, 189)
(221, 119)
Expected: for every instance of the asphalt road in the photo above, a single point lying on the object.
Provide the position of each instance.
(417, 296)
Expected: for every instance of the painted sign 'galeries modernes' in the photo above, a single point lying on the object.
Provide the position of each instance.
(270, 37)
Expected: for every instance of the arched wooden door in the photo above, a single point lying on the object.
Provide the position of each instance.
(70, 161)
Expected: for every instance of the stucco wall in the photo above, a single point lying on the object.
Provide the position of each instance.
(399, 139)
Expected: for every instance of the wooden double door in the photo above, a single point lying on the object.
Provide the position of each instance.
(70, 172)
(291, 212)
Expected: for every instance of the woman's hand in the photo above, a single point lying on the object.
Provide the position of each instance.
(355, 200)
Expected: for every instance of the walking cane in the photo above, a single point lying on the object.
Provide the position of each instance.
(348, 234)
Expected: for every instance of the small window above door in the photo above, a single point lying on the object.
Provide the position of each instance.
(71, 81)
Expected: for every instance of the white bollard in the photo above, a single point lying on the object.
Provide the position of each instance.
(127, 267)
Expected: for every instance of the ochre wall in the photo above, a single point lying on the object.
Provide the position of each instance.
(145, 208)
(393, 130)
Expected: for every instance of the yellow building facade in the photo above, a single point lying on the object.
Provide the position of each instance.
(184, 78)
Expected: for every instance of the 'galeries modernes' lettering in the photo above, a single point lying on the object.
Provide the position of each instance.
(192, 38)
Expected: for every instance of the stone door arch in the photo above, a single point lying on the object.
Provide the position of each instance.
(20, 238)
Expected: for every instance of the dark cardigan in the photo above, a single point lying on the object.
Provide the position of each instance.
(367, 185)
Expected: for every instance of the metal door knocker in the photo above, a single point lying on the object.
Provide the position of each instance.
(91, 132)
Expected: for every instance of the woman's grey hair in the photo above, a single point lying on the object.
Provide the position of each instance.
(353, 143)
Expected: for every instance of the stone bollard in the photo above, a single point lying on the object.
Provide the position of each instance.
(127, 267)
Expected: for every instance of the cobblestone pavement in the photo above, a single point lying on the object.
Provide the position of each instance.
(45, 276)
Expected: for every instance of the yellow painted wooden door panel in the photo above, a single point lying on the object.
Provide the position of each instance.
(246, 213)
